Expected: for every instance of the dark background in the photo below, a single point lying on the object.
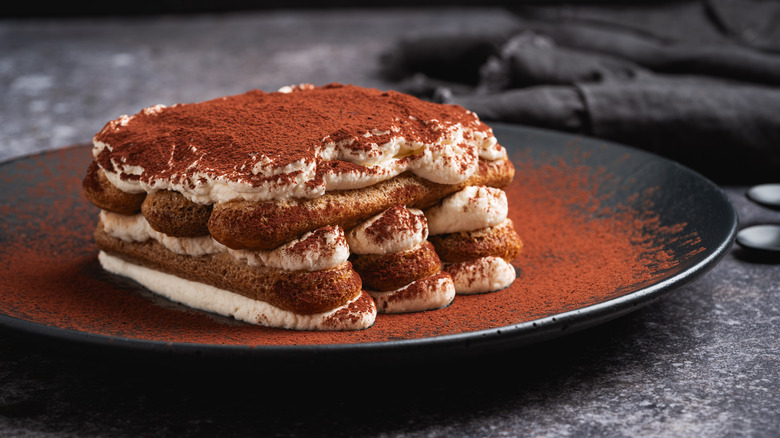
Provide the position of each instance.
(143, 8)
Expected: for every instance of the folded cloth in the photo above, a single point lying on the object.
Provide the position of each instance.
(534, 59)
(453, 56)
(729, 131)
(695, 94)
(727, 60)
(752, 23)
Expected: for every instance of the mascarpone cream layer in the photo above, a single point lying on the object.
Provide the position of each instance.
(394, 230)
(470, 209)
(323, 248)
(427, 293)
(486, 274)
(211, 299)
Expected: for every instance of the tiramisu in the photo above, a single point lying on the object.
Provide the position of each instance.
(240, 205)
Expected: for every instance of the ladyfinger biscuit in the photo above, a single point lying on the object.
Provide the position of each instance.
(100, 192)
(497, 241)
(171, 213)
(384, 272)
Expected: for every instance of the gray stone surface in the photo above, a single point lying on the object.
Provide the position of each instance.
(701, 362)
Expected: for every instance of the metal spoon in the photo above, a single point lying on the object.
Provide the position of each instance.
(762, 238)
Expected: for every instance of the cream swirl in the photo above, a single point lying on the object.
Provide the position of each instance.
(427, 293)
(396, 229)
(323, 248)
(470, 209)
(486, 274)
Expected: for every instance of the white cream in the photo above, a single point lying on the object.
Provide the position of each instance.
(427, 293)
(320, 249)
(211, 299)
(135, 228)
(470, 209)
(204, 188)
(489, 149)
(394, 230)
(486, 274)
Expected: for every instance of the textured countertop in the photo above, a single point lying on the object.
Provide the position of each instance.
(703, 361)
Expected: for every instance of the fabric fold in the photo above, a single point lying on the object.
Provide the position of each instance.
(696, 94)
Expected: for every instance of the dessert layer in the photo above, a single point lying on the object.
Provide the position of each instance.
(323, 248)
(266, 225)
(357, 313)
(296, 291)
(135, 228)
(298, 143)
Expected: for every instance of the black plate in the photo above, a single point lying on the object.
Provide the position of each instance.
(676, 194)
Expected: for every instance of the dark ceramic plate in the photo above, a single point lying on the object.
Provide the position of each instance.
(639, 226)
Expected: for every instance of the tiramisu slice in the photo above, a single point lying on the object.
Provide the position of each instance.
(239, 205)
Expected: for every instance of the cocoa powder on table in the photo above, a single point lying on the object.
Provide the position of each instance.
(577, 252)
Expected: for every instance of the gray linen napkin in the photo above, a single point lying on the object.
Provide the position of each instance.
(697, 90)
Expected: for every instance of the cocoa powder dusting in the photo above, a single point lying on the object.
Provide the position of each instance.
(317, 242)
(227, 137)
(572, 257)
(395, 218)
(418, 289)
